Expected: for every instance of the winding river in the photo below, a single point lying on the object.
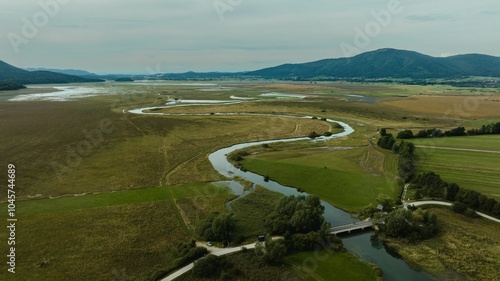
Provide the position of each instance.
(364, 246)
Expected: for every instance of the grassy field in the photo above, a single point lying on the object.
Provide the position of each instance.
(135, 153)
(248, 268)
(94, 244)
(196, 201)
(469, 247)
(475, 169)
(463, 107)
(331, 267)
(115, 226)
(103, 236)
(251, 211)
(338, 176)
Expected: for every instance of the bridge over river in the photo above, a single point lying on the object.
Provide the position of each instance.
(347, 228)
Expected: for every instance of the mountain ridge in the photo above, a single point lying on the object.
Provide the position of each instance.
(14, 75)
(388, 63)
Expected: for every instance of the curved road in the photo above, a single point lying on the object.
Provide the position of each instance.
(221, 252)
(420, 203)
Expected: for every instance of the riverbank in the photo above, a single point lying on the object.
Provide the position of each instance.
(465, 249)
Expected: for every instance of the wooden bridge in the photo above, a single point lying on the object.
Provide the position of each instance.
(347, 228)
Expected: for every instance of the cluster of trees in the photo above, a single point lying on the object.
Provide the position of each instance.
(238, 156)
(405, 134)
(461, 208)
(386, 140)
(437, 133)
(245, 266)
(413, 225)
(492, 129)
(5, 86)
(370, 210)
(272, 252)
(431, 185)
(296, 214)
(217, 227)
(184, 254)
(314, 135)
(300, 220)
(406, 164)
(215, 267)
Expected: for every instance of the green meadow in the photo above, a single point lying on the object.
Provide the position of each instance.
(125, 233)
(336, 176)
(473, 165)
(325, 266)
(250, 213)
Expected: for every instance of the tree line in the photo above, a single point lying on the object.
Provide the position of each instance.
(430, 184)
(406, 161)
(488, 129)
(6, 86)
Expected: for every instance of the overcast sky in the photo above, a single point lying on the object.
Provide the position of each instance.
(124, 36)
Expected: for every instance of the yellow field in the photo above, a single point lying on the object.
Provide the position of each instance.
(462, 107)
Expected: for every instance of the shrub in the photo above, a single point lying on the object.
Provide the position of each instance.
(471, 213)
(458, 207)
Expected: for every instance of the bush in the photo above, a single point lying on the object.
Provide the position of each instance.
(471, 213)
(207, 267)
(386, 142)
(405, 134)
(458, 207)
(313, 135)
(217, 226)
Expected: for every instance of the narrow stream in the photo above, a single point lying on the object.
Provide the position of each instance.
(360, 245)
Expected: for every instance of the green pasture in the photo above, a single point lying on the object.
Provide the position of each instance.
(251, 211)
(484, 142)
(473, 170)
(324, 265)
(126, 197)
(335, 176)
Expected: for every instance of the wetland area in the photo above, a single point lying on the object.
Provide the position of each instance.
(112, 177)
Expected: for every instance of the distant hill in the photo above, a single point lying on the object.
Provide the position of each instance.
(74, 72)
(124, 79)
(13, 75)
(10, 86)
(388, 63)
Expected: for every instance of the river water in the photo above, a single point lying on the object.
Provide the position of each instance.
(364, 246)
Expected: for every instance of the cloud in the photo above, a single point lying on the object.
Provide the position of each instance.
(127, 36)
(433, 17)
(445, 55)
